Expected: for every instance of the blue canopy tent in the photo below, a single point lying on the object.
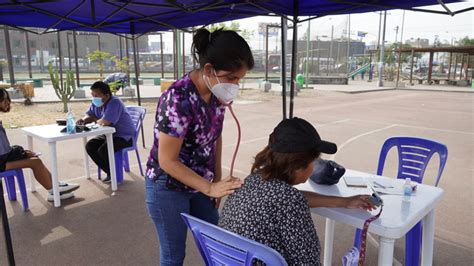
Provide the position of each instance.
(123, 17)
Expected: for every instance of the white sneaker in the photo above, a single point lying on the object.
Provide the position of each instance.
(65, 188)
(62, 196)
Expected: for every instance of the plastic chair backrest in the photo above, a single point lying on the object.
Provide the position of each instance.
(221, 247)
(413, 156)
(137, 113)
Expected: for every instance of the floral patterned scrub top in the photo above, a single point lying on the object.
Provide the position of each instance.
(182, 113)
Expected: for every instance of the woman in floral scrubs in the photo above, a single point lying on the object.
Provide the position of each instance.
(184, 167)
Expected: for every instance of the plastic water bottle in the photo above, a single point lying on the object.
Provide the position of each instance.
(407, 190)
(70, 122)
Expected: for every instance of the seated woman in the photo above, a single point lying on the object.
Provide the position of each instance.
(15, 157)
(269, 210)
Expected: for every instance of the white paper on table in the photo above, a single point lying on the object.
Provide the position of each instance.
(355, 181)
(384, 186)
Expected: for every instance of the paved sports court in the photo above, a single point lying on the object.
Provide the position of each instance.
(98, 229)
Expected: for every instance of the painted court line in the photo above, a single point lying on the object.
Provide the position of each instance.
(340, 147)
(266, 137)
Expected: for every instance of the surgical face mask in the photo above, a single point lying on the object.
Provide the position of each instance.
(225, 92)
(97, 101)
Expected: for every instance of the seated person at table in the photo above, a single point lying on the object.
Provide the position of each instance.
(15, 157)
(107, 110)
(269, 210)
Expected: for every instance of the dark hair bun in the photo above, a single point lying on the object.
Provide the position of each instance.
(201, 41)
(224, 49)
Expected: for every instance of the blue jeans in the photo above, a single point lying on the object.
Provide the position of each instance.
(165, 206)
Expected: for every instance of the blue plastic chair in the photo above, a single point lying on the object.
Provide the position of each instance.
(137, 113)
(221, 247)
(9, 177)
(414, 155)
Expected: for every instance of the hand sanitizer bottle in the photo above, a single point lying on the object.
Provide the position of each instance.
(407, 190)
(70, 122)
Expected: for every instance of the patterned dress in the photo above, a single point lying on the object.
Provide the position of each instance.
(275, 214)
(182, 113)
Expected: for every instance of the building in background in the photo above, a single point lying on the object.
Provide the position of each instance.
(418, 42)
(44, 48)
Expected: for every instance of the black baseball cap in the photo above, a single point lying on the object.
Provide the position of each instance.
(298, 135)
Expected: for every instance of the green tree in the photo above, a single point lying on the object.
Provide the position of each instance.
(99, 57)
(391, 59)
(466, 41)
(235, 26)
(391, 54)
(121, 65)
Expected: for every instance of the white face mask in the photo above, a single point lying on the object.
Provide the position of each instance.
(225, 92)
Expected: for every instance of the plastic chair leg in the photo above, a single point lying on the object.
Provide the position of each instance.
(358, 235)
(119, 166)
(126, 162)
(139, 163)
(21, 185)
(11, 190)
(99, 173)
(413, 245)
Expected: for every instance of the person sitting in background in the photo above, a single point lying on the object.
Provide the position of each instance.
(269, 210)
(107, 110)
(15, 157)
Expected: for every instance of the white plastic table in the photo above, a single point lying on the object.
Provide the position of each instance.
(397, 218)
(51, 134)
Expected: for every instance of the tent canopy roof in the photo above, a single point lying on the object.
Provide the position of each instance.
(142, 16)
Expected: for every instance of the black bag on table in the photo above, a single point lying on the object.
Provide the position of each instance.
(327, 172)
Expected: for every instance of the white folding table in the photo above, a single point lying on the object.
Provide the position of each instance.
(52, 134)
(397, 218)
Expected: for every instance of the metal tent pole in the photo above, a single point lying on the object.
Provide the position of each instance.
(120, 48)
(60, 59)
(308, 34)
(9, 55)
(184, 54)
(293, 55)
(68, 50)
(266, 54)
(28, 54)
(162, 60)
(76, 59)
(6, 228)
(284, 28)
(137, 74)
(175, 57)
(128, 60)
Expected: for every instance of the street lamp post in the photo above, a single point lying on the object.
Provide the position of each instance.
(382, 50)
(76, 60)
(330, 51)
(266, 47)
